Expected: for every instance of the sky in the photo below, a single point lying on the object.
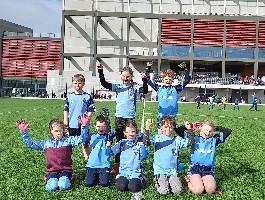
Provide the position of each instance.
(43, 16)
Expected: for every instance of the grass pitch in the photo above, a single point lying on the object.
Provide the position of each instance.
(239, 167)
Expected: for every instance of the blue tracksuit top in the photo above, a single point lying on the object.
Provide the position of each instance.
(125, 99)
(52, 143)
(99, 156)
(168, 97)
(132, 153)
(76, 105)
(166, 150)
(203, 150)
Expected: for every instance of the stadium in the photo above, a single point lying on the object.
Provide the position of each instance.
(221, 42)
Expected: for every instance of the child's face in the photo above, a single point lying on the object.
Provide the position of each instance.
(167, 80)
(126, 77)
(167, 128)
(56, 131)
(206, 131)
(130, 133)
(101, 127)
(78, 85)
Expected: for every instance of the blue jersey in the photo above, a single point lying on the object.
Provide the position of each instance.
(166, 150)
(168, 97)
(203, 150)
(76, 105)
(52, 143)
(99, 156)
(125, 99)
(132, 153)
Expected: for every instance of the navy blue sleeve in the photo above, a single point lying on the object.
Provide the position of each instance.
(103, 81)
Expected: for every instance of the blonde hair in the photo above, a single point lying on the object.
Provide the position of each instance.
(167, 119)
(79, 78)
(55, 122)
(208, 122)
(168, 72)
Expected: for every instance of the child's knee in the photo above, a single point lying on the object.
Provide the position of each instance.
(89, 183)
(197, 189)
(175, 184)
(52, 184)
(64, 183)
(210, 188)
(135, 185)
(122, 184)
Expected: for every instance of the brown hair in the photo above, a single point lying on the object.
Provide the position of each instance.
(101, 119)
(168, 72)
(208, 122)
(127, 69)
(132, 124)
(167, 119)
(79, 78)
(55, 122)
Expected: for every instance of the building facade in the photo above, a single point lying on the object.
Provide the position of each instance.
(216, 37)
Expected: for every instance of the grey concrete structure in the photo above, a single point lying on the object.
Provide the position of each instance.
(117, 33)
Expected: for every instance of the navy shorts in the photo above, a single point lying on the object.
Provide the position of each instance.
(74, 131)
(201, 170)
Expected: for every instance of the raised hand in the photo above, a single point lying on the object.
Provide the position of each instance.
(100, 67)
(22, 124)
(148, 123)
(196, 125)
(149, 64)
(84, 119)
(188, 125)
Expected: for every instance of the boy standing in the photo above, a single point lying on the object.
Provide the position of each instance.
(76, 104)
(167, 93)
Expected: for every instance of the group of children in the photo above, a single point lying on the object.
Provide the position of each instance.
(130, 147)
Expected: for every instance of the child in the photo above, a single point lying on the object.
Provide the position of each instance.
(166, 150)
(200, 174)
(131, 154)
(211, 102)
(254, 102)
(198, 101)
(57, 150)
(236, 104)
(78, 103)
(98, 164)
(126, 93)
(167, 93)
(224, 101)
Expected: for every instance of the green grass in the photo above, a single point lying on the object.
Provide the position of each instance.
(239, 168)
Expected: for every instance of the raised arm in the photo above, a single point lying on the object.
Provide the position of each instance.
(223, 134)
(186, 80)
(23, 128)
(66, 112)
(102, 79)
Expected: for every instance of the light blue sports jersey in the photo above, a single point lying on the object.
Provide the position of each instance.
(131, 156)
(203, 150)
(76, 105)
(99, 156)
(125, 99)
(167, 98)
(166, 150)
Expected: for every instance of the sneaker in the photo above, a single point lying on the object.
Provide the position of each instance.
(136, 196)
(115, 169)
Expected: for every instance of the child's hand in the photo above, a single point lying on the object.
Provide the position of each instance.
(148, 123)
(149, 64)
(66, 130)
(108, 143)
(100, 67)
(187, 125)
(196, 125)
(84, 119)
(22, 124)
(143, 75)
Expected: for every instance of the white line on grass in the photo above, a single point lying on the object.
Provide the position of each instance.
(222, 116)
